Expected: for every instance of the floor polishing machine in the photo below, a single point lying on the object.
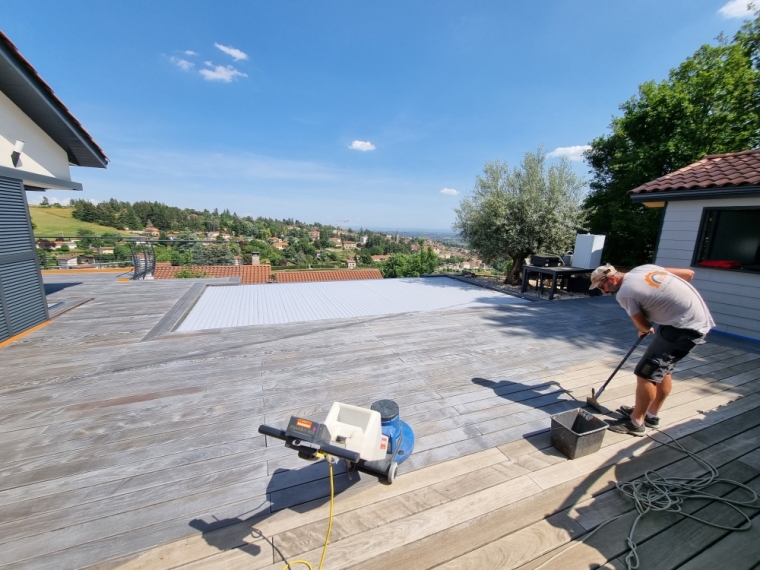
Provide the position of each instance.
(373, 440)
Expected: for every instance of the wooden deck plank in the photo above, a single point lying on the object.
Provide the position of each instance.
(741, 549)
(493, 526)
(87, 439)
(678, 543)
(357, 496)
(610, 540)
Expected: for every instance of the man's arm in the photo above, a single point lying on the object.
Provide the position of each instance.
(685, 274)
(643, 324)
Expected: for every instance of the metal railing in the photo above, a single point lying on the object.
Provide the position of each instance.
(144, 256)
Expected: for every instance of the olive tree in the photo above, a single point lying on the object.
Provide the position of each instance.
(511, 214)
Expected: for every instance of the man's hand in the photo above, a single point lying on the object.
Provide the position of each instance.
(643, 324)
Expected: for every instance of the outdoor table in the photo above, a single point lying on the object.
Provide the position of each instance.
(556, 273)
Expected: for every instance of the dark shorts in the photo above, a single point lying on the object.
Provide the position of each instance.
(668, 346)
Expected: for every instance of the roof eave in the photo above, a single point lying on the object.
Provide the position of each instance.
(33, 90)
(695, 194)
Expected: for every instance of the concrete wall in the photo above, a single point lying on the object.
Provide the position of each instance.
(41, 154)
(733, 297)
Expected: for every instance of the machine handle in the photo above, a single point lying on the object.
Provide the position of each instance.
(342, 452)
(334, 450)
(272, 432)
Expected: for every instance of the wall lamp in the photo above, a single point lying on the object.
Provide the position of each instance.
(16, 154)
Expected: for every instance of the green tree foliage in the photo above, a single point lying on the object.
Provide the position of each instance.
(85, 211)
(710, 104)
(511, 214)
(122, 252)
(414, 265)
(212, 254)
(87, 239)
(135, 216)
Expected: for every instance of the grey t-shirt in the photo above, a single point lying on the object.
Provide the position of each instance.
(664, 299)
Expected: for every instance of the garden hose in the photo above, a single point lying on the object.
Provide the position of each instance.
(289, 565)
(657, 493)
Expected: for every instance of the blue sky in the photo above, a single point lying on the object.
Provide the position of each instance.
(371, 112)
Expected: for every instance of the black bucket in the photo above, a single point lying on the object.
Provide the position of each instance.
(577, 433)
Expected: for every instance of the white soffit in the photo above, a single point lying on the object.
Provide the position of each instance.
(277, 303)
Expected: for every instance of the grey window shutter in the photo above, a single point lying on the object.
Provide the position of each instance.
(21, 291)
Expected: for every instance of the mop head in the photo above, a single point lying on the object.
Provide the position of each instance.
(592, 401)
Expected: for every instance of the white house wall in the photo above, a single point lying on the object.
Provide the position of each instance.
(41, 154)
(733, 297)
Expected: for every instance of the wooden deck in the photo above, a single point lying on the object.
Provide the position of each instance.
(120, 452)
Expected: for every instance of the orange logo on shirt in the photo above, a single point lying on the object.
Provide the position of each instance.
(655, 278)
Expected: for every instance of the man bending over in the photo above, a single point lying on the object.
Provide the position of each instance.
(662, 295)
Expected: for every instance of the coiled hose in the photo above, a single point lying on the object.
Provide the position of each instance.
(655, 493)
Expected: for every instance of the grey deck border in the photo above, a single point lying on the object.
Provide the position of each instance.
(181, 308)
(66, 306)
(530, 298)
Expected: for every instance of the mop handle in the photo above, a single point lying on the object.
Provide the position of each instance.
(619, 366)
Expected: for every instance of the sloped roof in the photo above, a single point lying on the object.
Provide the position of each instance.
(713, 171)
(21, 83)
(301, 276)
(252, 274)
(168, 271)
(256, 274)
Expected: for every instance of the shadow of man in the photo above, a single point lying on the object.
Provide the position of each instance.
(300, 490)
(548, 396)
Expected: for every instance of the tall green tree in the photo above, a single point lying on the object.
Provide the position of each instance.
(709, 104)
(511, 214)
(212, 254)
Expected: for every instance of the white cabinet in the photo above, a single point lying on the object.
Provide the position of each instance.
(588, 251)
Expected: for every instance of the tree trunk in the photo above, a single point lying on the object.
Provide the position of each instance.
(514, 277)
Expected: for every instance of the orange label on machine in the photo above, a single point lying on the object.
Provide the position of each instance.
(306, 424)
(384, 442)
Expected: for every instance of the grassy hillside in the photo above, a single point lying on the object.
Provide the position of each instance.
(57, 221)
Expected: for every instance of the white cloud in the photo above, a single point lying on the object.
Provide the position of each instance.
(571, 152)
(736, 9)
(208, 63)
(183, 64)
(221, 73)
(190, 52)
(362, 146)
(449, 191)
(235, 53)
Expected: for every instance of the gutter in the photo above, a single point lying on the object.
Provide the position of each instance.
(695, 194)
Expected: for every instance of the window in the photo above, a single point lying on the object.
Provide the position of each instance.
(729, 238)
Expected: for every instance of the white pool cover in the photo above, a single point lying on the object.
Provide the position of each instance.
(275, 303)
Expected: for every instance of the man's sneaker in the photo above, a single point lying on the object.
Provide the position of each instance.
(627, 426)
(651, 422)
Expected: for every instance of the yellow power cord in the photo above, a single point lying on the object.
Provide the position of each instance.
(329, 524)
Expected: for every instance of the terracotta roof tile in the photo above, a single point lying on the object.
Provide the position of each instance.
(250, 274)
(713, 171)
(337, 275)
(167, 272)
(256, 274)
